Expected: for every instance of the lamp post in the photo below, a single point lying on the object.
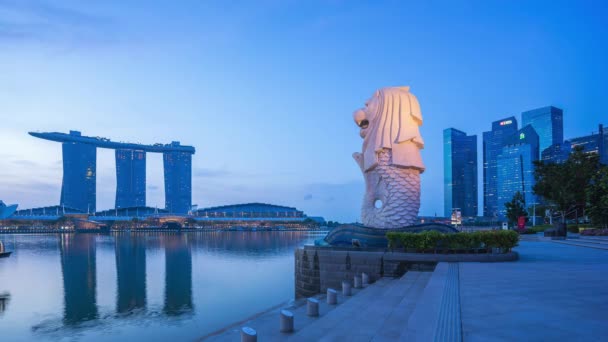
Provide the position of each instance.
(534, 214)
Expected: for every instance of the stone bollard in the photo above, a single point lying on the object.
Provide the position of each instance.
(365, 279)
(312, 307)
(346, 289)
(286, 321)
(332, 297)
(357, 282)
(248, 335)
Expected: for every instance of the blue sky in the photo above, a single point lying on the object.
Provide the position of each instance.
(265, 89)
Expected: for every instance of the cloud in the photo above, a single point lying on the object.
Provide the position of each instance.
(25, 163)
(211, 173)
(37, 21)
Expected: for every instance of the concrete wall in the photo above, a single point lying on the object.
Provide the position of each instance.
(320, 268)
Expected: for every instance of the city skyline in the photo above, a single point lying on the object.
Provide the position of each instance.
(266, 95)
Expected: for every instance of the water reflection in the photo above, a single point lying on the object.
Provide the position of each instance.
(128, 284)
(4, 299)
(78, 266)
(130, 273)
(178, 274)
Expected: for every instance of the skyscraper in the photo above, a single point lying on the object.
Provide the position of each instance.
(492, 147)
(548, 122)
(178, 181)
(515, 167)
(460, 172)
(79, 171)
(130, 178)
(595, 143)
(79, 175)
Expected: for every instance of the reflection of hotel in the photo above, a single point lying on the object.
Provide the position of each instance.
(130, 273)
(178, 275)
(4, 299)
(78, 265)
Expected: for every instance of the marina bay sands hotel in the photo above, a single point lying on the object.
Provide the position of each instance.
(78, 189)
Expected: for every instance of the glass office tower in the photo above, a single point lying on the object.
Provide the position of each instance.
(130, 178)
(460, 172)
(594, 143)
(515, 168)
(492, 147)
(79, 175)
(548, 122)
(178, 181)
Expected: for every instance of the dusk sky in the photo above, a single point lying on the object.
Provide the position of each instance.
(265, 90)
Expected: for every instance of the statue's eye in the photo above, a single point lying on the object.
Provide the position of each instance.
(363, 124)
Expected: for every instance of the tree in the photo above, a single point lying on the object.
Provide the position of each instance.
(516, 208)
(565, 185)
(597, 198)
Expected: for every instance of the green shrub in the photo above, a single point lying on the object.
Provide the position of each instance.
(504, 239)
(410, 240)
(429, 239)
(573, 229)
(393, 239)
(528, 231)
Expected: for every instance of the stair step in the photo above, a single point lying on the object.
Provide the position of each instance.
(362, 316)
(398, 318)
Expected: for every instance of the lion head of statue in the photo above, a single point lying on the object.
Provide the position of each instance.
(390, 120)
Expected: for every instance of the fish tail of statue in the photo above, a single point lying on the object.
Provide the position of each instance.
(392, 197)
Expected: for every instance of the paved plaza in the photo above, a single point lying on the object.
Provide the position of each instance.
(555, 292)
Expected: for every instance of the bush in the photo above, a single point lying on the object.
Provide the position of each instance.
(595, 232)
(393, 239)
(432, 240)
(573, 229)
(528, 231)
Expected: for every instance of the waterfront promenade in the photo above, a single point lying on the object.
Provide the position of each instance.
(556, 291)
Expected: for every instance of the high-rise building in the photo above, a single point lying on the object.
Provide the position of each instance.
(460, 172)
(130, 178)
(178, 181)
(492, 147)
(548, 122)
(595, 143)
(79, 171)
(556, 153)
(79, 175)
(515, 167)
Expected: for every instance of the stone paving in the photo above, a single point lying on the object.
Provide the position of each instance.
(554, 292)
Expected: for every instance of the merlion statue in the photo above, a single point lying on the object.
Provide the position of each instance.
(390, 159)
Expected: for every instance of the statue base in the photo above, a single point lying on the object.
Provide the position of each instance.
(352, 235)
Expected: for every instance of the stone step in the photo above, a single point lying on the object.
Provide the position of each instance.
(396, 321)
(363, 317)
(345, 312)
(581, 244)
(592, 240)
(267, 324)
(424, 320)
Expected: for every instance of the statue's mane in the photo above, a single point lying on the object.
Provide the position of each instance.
(394, 126)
